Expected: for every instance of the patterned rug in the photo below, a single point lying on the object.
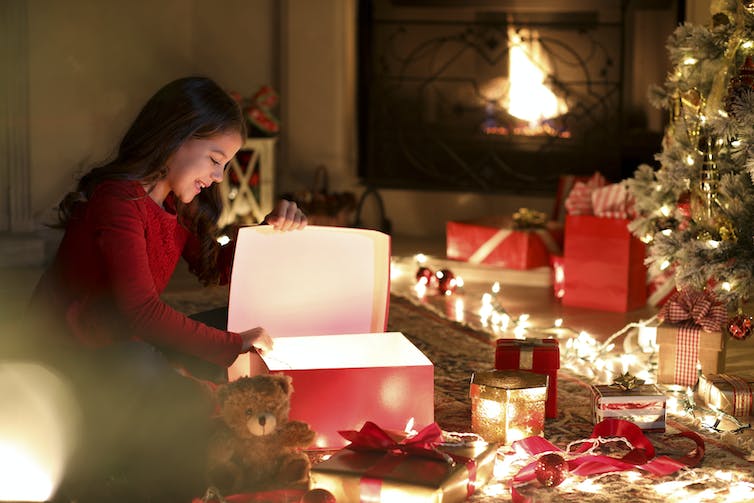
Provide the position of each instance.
(725, 474)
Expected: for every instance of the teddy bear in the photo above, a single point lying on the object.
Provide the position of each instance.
(256, 447)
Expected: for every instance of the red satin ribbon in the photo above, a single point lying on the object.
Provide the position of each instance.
(372, 438)
(641, 457)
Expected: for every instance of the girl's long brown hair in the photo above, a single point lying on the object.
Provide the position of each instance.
(191, 107)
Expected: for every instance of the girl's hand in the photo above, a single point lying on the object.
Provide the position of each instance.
(286, 216)
(256, 338)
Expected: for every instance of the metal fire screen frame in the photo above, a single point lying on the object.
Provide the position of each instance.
(425, 98)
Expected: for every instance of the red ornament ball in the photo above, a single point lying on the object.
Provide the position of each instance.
(551, 469)
(446, 281)
(318, 496)
(740, 326)
(684, 204)
(424, 275)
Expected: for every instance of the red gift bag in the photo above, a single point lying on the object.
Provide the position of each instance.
(604, 264)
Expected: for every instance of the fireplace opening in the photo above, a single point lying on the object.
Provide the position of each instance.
(498, 96)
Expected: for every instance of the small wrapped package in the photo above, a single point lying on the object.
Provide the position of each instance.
(508, 405)
(499, 241)
(378, 467)
(690, 338)
(541, 356)
(731, 394)
(643, 405)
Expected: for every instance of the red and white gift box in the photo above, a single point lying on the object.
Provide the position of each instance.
(493, 241)
(644, 405)
(322, 294)
(729, 393)
(541, 356)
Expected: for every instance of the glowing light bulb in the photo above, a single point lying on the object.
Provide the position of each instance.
(559, 322)
(665, 211)
(665, 264)
(690, 61)
(726, 286)
(496, 287)
(223, 240)
(420, 258)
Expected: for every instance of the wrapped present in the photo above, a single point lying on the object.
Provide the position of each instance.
(603, 264)
(731, 394)
(537, 355)
(327, 310)
(508, 405)
(579, 199)
(690, 338)
(502, 241)
(376, 466)
(631, 400)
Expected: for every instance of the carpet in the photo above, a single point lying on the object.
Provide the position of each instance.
(725, 474)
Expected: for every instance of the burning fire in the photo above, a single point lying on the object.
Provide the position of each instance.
(529, 98)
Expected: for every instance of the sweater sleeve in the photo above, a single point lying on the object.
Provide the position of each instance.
(120, 234)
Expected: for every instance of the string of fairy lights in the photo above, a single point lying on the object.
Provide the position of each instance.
(580, 352)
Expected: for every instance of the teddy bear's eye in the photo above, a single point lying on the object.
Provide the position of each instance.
(249, 412)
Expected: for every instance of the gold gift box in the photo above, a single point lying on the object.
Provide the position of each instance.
(508, 405)
(359, 476)
(728, 393)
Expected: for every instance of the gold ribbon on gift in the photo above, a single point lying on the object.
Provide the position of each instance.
(526, 219)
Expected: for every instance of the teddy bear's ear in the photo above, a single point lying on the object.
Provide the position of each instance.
(285, 382)
(221, 393)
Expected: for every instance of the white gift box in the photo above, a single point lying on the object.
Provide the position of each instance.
(322, 294)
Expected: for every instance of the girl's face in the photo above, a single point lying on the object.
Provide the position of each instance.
(199, 163)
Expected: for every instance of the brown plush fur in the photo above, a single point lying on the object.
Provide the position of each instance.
(257, 447)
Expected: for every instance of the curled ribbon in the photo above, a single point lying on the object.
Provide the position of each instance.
(641, 456)
(696, 306)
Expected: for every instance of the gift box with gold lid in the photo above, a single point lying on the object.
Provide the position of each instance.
(508, 405)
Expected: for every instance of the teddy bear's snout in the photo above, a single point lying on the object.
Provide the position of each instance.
(261, 424)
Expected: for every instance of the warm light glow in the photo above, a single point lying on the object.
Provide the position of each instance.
(726, 286)
(665, 210)
(559, 322)
(646, 239)
(735, 143)
(667, 232)
(496, 287)
(420, 258)
(748, 44)
(690, 160)
(713, 244)
(690, 61)
(665, 264)
(223, 240)
(38, 426)
(459, 282)
(529, 98)
(490, 409)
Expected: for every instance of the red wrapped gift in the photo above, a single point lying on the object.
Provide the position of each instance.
(493, 241)
(541, 356)
(604, 264)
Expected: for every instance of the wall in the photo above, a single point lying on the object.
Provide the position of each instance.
(92, 65)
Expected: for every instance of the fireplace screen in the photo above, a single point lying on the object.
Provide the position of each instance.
(487, 99)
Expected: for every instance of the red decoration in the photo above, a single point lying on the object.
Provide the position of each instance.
(740, 326)
(424, 275)
(684, 204)
(551, 469)
(739, 84)
(318, 496)
(446, 281)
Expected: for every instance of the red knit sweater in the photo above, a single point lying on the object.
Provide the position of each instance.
(117, 255)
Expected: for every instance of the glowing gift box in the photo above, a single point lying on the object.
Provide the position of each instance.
(508, 405)
(322, 294)
(728, 393)
(644, 405)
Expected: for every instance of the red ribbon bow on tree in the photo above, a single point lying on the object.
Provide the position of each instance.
(697, 306)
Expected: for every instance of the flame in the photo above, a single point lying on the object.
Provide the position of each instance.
(528, 97)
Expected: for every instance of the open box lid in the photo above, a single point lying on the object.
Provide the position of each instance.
(316, 281)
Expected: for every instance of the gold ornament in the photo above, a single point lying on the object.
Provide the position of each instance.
(627, 382)
(706, 210)
(691, 106)
(525, 218)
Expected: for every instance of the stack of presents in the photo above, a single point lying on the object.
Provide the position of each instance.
(332, 342)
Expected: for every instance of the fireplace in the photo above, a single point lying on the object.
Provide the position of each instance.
(497, 96)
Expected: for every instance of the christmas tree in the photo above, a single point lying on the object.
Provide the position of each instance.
(696, 211)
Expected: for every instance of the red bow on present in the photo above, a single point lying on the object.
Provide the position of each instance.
(697, 306)
(583, 462)
(373, 438)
